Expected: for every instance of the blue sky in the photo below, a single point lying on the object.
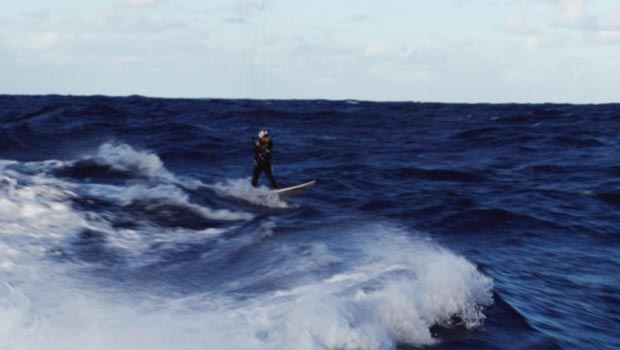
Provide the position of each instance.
(420, 50)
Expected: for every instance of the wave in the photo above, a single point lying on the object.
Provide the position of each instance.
(123, 157)
(151, 196)
(36, 204)
(116, 161)
(391, 290)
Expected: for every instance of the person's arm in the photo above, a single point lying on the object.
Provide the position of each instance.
(268, 150)
(257, 151)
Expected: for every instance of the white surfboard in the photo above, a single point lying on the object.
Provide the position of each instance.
(294, 189)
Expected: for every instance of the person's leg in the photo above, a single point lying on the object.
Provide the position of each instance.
(255, 175)
(269, 175)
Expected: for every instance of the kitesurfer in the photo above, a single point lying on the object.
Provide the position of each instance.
(263, 149)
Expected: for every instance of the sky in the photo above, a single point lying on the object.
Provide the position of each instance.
(405, 50)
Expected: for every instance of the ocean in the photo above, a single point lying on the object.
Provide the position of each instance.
(130, 223)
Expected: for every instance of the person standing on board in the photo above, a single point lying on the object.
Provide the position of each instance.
(263, 149)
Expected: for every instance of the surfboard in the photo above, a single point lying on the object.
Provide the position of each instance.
(287, 191)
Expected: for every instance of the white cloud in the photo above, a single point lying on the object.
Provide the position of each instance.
(43, 41)
(575, 14)
(601, 28)
(515, 23)
(608, 36)
(386, 51)
(137, 23)
(609, 21)
(140, 3)
(247, 9)
(533, 39)
(572, 13)
(572, 19)
(359, 17)
(102, 39)
(533, 42)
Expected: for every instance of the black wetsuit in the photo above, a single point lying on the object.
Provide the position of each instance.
(262, 162)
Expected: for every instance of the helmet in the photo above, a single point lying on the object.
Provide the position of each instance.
(263, 133)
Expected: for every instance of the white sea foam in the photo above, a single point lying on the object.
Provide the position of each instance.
(27, 208)
(163, 193)
(243, 189)
(36, 209)
(144, 163)
(391, 292)
(124, 157)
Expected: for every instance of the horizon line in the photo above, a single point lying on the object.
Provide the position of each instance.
(305, 99)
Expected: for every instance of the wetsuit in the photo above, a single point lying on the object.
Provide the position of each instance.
(262, 162)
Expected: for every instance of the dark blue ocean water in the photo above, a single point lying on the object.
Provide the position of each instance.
(129, 223)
